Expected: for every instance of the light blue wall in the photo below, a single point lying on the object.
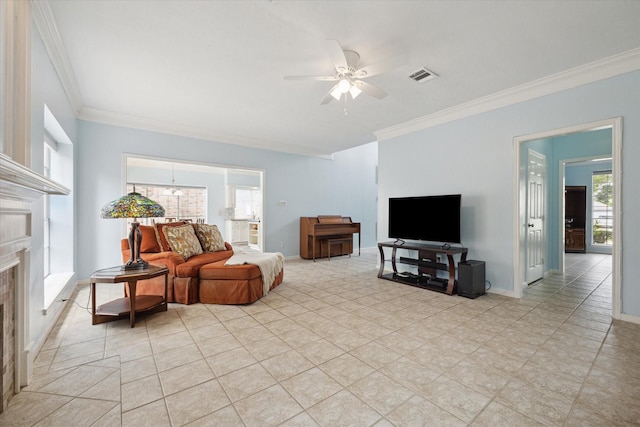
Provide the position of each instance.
(582, 175)
(557, 150)
(474, 156)
(243, 180)
(310, 186)
(46, 89)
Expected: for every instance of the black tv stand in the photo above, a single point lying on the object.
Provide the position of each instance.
(428, 263)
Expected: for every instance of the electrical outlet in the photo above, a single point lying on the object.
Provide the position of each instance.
(281, 244)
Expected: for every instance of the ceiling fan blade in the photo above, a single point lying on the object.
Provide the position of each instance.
(336, 53)
(320, 78)
(370, 89)
(384, 65)
(328, 97)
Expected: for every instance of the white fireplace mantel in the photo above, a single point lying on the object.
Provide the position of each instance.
(17, 181)
(20, 188)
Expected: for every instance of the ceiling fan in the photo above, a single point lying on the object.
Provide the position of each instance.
(348, 76)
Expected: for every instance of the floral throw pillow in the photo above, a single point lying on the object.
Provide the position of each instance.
(161, 236)
(183, 240)
(210, 237)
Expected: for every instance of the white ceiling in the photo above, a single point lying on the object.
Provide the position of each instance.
(214, 69)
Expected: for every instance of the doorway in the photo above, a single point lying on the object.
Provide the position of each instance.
(521, 224)
(174, 182)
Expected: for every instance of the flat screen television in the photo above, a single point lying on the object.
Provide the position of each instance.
(428, 218)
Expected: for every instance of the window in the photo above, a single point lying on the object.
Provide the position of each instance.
(602, 208)
(57, 212)
(190, 206)
(248, 202)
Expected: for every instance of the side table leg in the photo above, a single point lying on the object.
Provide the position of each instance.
(132, 300)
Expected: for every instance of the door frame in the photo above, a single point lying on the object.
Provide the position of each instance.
(615, 124)
(562, 164)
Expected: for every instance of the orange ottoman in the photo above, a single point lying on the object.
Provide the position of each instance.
(232, 284)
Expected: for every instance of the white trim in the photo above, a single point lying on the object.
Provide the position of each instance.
(616, 251)
(53, 127)
(599, 70)
(503, 292)
(54, 287)
(25, 179)
(560, 214)
(630, 318)
(45, 23)
(151, 125)
(562, 164)
(616, 136)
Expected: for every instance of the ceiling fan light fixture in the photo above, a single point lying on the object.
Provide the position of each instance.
(336, 93)
(354, 91)
(344, 85)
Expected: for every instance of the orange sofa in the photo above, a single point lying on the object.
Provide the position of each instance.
(200, 278)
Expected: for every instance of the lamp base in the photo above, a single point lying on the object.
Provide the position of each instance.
(135, 265)
(135, 240)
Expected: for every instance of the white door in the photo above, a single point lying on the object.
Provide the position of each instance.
(535, 244)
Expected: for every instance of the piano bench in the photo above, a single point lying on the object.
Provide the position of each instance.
(341, 241)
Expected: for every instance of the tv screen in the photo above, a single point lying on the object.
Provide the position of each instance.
(429, 218)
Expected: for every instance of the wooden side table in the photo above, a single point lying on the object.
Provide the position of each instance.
(127, 306)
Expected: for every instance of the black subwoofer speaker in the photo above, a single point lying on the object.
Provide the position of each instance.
(471, 280)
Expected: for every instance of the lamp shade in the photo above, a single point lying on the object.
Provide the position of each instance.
(133, 205)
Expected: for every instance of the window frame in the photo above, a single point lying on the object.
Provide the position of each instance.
(608, 227)
(172, 203)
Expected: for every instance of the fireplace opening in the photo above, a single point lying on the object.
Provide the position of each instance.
(7, 335)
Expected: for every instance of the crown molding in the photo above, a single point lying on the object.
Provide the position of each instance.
(152, 125)
(599, 70)
(46, 25)
(623, 63)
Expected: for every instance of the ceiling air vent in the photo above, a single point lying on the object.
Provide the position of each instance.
(422, 75)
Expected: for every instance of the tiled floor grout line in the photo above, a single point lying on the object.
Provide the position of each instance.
(374, 315)
(586, 377)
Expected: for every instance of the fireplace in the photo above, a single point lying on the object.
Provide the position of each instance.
(13, 324)
(7, 328)
(19, 188)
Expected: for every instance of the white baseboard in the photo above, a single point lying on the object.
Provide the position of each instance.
(630, 318)
(503, 292)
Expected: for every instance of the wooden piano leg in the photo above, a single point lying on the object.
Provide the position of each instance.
(313, 247)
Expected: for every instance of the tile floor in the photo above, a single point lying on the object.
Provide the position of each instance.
(334, 346)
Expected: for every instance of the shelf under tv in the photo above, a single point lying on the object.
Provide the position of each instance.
(428, 263)
(433, 284)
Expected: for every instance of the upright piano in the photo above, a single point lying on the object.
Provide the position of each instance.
(327, 235)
